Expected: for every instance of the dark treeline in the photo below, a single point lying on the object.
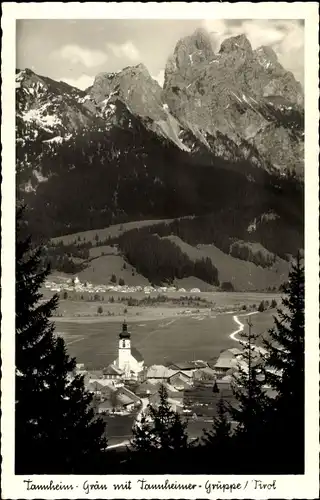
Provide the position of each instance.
(211, 229)
(160, 260)
(65, 258)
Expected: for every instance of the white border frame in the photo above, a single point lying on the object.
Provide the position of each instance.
(306, 486)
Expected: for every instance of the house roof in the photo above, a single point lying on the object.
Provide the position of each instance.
(235, 351)
(136, 354)
(125, 391)
(207, 371)
(182, 365)
(95, 374)
(105, 405)
(148, 386)
(160, 371)
(94, 385)
(199, 363)
(124, 399)
(226, 362)
(112, 370)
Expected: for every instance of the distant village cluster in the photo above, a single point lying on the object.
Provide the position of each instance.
(194, 387)
(75, 285)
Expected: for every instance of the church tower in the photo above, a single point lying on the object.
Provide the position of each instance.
(124, 357)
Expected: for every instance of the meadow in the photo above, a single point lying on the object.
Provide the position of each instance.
(160, 341)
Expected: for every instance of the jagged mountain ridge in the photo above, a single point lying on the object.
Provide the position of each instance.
(124, 150)
(244, 94)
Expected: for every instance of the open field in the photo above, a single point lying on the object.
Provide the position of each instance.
(244, 275)
(159, 341)
(100, 270)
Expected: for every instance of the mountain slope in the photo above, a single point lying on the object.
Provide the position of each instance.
(222, 140)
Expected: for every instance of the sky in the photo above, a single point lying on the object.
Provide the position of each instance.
(75, 51)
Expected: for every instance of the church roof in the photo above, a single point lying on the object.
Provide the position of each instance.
(136, 354)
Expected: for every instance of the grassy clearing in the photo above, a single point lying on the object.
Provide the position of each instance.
(100, 270)
(160, 341)
(245, 275)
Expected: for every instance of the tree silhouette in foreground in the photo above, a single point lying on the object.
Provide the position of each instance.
(55, 428)
(269, 433)
(251, 408)
(221, 427)
(159, 436)
(285, 374)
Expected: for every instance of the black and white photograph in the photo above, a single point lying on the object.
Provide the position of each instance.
(160, 172)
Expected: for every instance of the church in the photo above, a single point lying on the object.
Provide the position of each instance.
(130, 360)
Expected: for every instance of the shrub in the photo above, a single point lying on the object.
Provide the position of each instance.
(273, 304)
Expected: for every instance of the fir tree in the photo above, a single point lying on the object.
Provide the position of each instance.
(166, 430)
(221, 427)
(159, 437)
(285, 373)
(252, 403)
(55, 428)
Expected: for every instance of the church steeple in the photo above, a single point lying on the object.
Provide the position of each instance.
(124, 334)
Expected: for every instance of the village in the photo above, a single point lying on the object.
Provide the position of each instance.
(75, 285)
(127, 386)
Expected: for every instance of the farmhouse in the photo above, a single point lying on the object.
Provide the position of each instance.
(228, 359)
(159, 372)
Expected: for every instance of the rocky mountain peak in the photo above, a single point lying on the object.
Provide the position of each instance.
(236, 44)
(190, 52)
(267, 52)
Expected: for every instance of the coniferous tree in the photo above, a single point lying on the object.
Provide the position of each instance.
(221, 427)
(251, 409)
(167, 431)
(159, 435)
(285, 374)
(55, 428)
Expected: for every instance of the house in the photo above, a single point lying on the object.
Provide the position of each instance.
(105, 407)
(228, 359)
(159, 372)
(199, 363)
(175, 400)
(94, 386)
(112, 372)
(148, 387)
(95, 374)
(206, 373)
(183, 366)
(180, 380)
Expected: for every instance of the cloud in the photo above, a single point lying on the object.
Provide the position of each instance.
(82, 82)
(126, 49)
(160, 77)
(76, 54)
(286, 37)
